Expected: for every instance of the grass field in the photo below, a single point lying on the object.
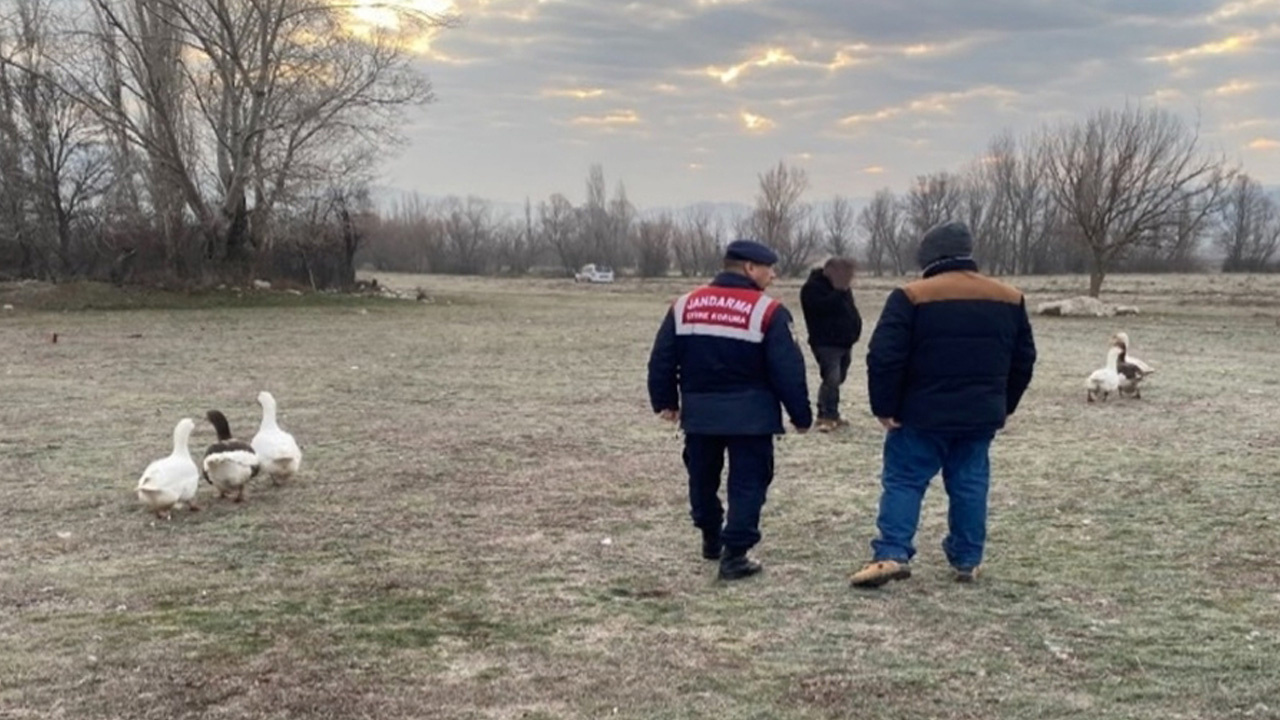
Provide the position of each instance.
(490, 523)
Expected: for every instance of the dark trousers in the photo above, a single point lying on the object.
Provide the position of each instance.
(833, 364)
(750, 472)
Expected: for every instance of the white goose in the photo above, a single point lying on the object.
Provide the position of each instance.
(172, 480)
(1106, 380)
(228, 463)
(276, 449)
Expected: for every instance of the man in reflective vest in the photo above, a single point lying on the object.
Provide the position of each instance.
(724, 363)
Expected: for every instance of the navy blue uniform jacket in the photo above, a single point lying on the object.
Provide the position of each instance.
(727, 381)
(952, 352)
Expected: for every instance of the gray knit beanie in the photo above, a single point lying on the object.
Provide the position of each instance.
(948, 240)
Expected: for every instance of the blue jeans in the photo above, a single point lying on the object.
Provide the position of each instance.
(911, 459)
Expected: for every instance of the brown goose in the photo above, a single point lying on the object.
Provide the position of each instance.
(1132, 370)
(228, 463)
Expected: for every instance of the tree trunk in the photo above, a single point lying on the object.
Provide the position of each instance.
(238, 232)
(350, 244)
(1097, 272)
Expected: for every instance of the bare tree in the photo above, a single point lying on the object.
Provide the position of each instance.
(559, 221)
(1249, 233)
(469, 231)
(16, 229)
(1027, 201)
(68, 164)
(698, 243)
(396, 241)
(932, 199)
(881, 224)
(653, 246)
(238, 106)
(605, 224)
(982, 209)
(1193, 220)
(805, 242)
(520, 243)
(51, 164)
(839, 223)
(1120, 177)
(779, 215)
(621, 217)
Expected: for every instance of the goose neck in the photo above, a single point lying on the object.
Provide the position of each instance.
(181, 436)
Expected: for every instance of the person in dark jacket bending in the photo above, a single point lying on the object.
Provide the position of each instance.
(724, 359)
(834, 326)
(947, 364)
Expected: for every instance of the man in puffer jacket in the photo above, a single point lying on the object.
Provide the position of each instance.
(947, 364)
(724, 364)
(834, 326)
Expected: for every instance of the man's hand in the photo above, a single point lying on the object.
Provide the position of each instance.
(889, 423)
(669, 415)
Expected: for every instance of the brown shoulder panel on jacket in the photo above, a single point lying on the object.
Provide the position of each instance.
(961, 285)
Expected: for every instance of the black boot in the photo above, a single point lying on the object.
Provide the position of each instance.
(735, 565)
(711, 547)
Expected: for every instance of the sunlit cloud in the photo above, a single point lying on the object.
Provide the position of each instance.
(1235, 9)
(1166, 95)
(390, 14)
(754, 81)
(617, 117)
(934, 48)
(574, 93)
(1227, 46)
(937, 103)
(756, 123)
(1235, 87)
(373, 16)
(654, 12)
(772, 56)
(843, 57)
(523, 11)
(366, 18)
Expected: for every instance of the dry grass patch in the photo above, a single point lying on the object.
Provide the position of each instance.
(489, 523)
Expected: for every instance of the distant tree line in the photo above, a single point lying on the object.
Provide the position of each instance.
(203, 140)
(1121, 190)
(193, 140)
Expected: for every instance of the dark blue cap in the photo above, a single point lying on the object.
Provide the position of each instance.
(750, 251)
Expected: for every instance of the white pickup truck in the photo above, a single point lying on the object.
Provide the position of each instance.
(592, 273)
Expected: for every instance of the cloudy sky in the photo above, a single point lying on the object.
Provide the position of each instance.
(690, 100)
